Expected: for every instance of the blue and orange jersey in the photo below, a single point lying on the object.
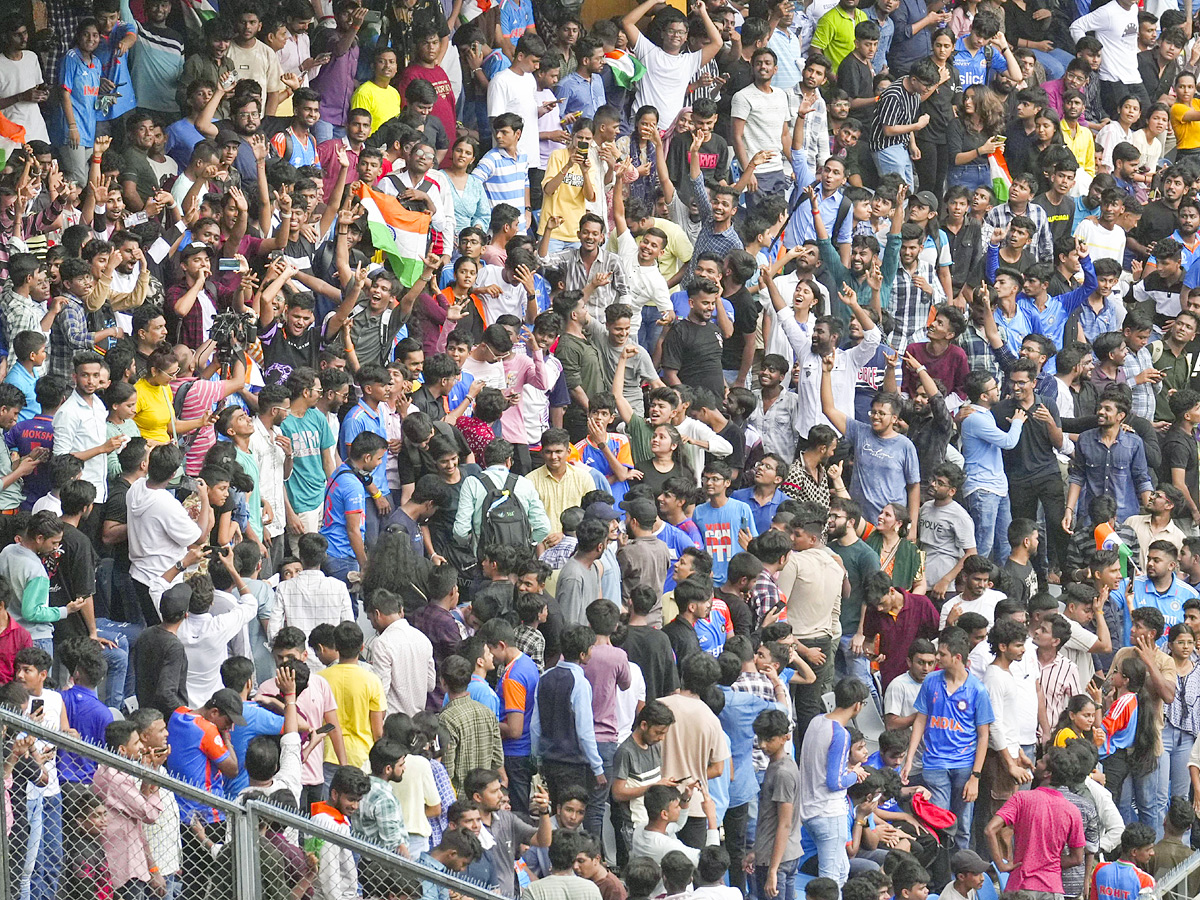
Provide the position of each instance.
(1120, 724)
(1119, 880)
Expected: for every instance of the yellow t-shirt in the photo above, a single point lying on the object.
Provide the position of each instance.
(154, 411)
(1187, 134)
(358, 692)
(569, 201)
(382, 103)
(1066, 734)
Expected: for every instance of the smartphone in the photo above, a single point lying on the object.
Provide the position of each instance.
(228, 265)
(325, 729)
(35, 705)
(778, 606)
(584, 146)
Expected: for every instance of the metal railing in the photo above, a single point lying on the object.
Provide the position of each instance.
(1182, 882)
(63, 848)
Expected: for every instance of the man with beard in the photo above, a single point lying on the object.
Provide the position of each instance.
(22, 86)
(1108, 460)
(589, 260)
(930, 424)
(826, 336)
(140, 177)
(422, 188)
(254, 60)
(916, 288)
(1160, 217)
(132, 284)
(777, 408)
(211, 62)
(358, 129)
(295, 144)
(374, 324)
(865, 268)
(296, 340)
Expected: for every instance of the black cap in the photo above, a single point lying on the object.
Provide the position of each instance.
(228, 703)
(175, 601)
(193, 248)
(968, 861)
(641, 509)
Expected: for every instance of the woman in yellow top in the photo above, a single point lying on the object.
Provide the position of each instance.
(1185, 116)
(567, 187)
(1078, 720)
(155, 408)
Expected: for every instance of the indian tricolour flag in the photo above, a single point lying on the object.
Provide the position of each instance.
(1001, 180)
(626, 68)
(12, 136)
(399, 233)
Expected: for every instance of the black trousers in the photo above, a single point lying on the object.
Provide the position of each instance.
(808, 696)
(933, 167)
(560, 775)
(695, 832)
(736, 820)
(1024, 495)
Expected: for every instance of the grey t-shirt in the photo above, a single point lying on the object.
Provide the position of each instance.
(638, 370)
(509, 832)
(578, 586)
(639, 766)
(946, 533)
(781, 784)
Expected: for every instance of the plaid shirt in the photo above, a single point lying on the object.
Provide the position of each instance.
(380, 818)
(556, 557)
(764, 594)
(64, 17)
(720, 243)
(68, 334)
(1042, 245)
(36, 223)
(20, 313)
(981, 354)
(446, 795)
(911, 305)
(1143, 394)
(189, 329)
(531, 642)
(472, 740)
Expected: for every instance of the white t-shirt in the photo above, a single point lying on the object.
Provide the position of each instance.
(765, 115)
(181, 187)
(646, 283)
(160, 531)
(664, 86)
(512, 299)
(16, 77)
(1116, 28)
(510, 92)
(1102, 244)
(52, 713)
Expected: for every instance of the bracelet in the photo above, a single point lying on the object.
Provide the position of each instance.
(860, 824)
(97, 159)
(920, 370)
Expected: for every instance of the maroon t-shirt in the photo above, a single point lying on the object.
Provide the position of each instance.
(444, 107)
(951, 369)
(918, 619)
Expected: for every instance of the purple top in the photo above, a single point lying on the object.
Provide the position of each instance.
(607, 670)
(335, 84)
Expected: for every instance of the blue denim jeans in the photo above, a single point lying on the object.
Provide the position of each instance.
(557, 246)
(323, 131)
(784, 880)
(946, 787)
(43, 860)
(119, 682)
(970, 176)
(992, 516)
(649, 330)
(848, 663)
(1144, 797)
(829, 834)
(1055, 62)
(1178, 747)
(895, 160)
(597, 807)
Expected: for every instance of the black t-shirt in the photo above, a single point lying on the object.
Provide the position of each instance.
(652, 650)
(737, 438)
(855, 78)
(73, 575)
(745, 321)
(1157, 222)
(162, 668)
(1179, 452)
(282, 353)
(1060, 217)
(115, 510)
(683, 641)
(693, 350)
(714, 162)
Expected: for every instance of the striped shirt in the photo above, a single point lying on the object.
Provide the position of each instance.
(505, 177)
(896, 107)
(1120, 724)
(1060, 682)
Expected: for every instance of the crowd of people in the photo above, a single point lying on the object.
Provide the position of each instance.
(722, 450)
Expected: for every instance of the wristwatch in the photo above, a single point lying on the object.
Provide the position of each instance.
(976, 774)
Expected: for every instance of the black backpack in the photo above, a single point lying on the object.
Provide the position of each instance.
(504, 520)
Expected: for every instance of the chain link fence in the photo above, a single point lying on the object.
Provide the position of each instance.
(133, 832)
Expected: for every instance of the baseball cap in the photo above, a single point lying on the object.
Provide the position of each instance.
(228, 703)
(193, 248)
(968, 861)
(603, 511)
(641, 509)
(925, 198)
(175, 600)
(228, 136)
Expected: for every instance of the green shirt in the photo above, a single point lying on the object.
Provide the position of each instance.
(311, 436)
(842, 275)
(11, 496)
(861, 563)
(254, 499)
(581, 364)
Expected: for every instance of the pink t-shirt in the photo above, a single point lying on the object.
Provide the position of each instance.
(607, 669)
(313, 704)
(1044, 822)
(200, 398)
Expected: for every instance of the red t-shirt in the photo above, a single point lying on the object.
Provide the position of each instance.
(444, 107)
(1044, 822)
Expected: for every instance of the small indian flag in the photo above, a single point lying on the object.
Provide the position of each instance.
(1001, 180)
(626, 68)
(12, 136)
(399, 233)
